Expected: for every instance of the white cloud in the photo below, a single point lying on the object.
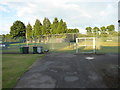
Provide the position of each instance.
(5, 28)
(72, 11)
(4, 9)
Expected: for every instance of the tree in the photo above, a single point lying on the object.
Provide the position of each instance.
(54, 26)
(62, 27)
(8, 37)
(89, 30)
(96, 31)
(76, 30)
(29, 31)
(37, 29)
(110, 29)
(18, 29)
(46, 26)
(73, 30)
(3, 37)
(103, 30)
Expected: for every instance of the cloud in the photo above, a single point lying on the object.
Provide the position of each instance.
(77, 13)
(4, 9)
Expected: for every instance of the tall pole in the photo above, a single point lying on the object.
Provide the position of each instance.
(26, 38)
(76, 45)
(94, 45)
(118, 25)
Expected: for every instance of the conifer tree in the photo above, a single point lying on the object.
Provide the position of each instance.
(37, 29)
(54, 26)
(46, 26)
(62, 27)
(29, 31)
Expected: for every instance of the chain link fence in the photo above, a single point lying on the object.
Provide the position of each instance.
(59, 43)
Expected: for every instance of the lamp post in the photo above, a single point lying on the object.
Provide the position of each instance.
(118, 25)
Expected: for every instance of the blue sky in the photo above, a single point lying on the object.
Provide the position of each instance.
(77, 13)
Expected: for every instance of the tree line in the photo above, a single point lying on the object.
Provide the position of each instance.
(22, 31)
(102, 31)
(18, 29)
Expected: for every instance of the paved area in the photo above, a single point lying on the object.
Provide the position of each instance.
(61, 70)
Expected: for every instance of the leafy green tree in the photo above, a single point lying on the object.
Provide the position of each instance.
(37, 29)
(69, 30)
(103, 30)
(110, 29)
(89, 30)
(46, 29)
(3, 37)
(18, 29)
(73, 30)
(54, 26)
(8, 37)
(76, 30)
(96, 31)
(29, 31)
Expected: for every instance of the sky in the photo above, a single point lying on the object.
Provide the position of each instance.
(76, 13)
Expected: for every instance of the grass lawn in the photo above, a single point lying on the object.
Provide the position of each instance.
(14, 65)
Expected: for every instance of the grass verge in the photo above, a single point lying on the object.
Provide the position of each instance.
(14, 65)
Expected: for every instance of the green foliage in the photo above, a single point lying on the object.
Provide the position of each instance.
(60, 28)
(110, 29)
(76, 30)
(2, 37)
(46, 28)
(89, 30)
(103, 30)
(18, 29)
(29, 31)
(95, 30)
(64, 27)
(54, 26)
(6, 38)
(37, 29)
(73, 30)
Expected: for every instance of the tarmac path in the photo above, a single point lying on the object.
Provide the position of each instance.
(61, 70)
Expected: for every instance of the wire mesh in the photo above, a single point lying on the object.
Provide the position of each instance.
(61, 43)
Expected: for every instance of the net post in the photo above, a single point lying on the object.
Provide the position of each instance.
(76, 45)
(94, 45)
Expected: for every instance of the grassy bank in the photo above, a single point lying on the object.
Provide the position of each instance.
(14, 65)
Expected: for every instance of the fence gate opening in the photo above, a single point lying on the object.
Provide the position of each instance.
(85, 45)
